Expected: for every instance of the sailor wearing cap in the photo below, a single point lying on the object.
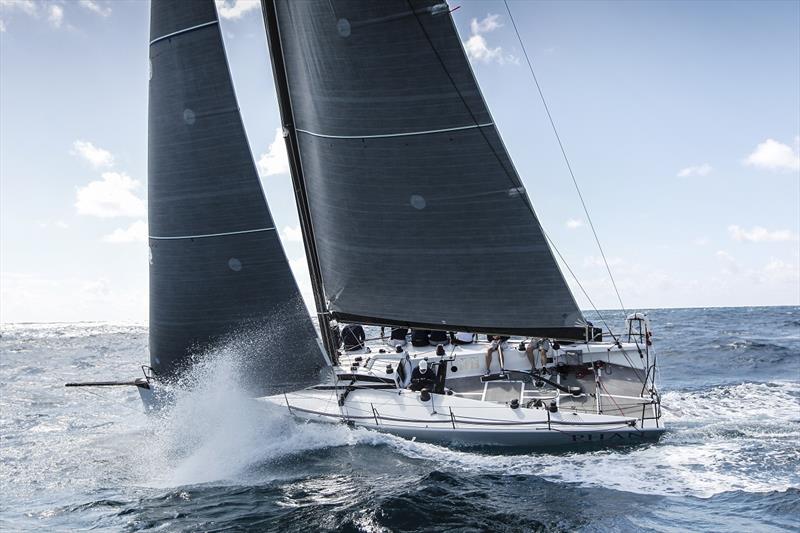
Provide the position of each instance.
(422, 377)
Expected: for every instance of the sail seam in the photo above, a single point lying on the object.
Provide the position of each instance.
(211, 234)
(385, 135)
(185, 30)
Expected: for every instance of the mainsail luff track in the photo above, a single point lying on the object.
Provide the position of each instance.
(296, 168)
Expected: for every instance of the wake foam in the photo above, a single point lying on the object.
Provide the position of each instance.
(667, 469)
(728, 403)
(729, 438)
(216, 432)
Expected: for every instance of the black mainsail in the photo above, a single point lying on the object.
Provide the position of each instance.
(218, 272)
(415, 213)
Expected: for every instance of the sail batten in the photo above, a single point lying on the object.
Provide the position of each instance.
(184, 30)
(223, 234)
(402, 134)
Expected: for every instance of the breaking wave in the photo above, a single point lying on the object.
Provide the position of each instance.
(215, 431)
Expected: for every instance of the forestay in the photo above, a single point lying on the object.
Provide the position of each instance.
(418, 215)
(218, 273)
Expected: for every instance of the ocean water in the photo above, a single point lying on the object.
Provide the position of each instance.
(80, 459)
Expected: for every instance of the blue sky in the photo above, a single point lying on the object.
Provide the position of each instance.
(681, 121)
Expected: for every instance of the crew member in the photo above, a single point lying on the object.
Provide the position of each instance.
(438, 337)
(496, 344)
(398, 337)
(544, 348)
(419, 337)
(353, 337)
(422, 377)
(404, 371)
(534, 346)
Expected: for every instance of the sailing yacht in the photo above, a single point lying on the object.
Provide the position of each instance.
(413, 216)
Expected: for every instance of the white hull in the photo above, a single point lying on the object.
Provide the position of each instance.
(455, 421)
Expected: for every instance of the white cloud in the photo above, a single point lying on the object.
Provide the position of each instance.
(697, 170)
(52, 12)
(722, 254)
(774, 155)
(26, 6)
(60, 224)
(96, 289)
(478, 48)
(113, 196)
(29, 297)
(55, 15)
(759, 234)
(93, 5)
(776, 275)
(574, 223)
(778, 271)
(136, 232)
(235, 9)
(597, 261)
(490, 23)
(292, 234)
(96, 156)
(275, 160)
(730, 266)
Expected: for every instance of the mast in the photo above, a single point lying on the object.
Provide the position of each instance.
(296, 168)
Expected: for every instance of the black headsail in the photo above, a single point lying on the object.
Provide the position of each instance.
(218, 272)
(415, 209)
